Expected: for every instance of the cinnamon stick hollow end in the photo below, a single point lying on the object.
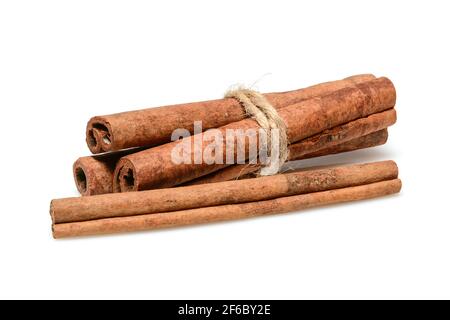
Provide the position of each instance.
(99, 137)
(93, 174)
(80, 178)
(125, 177)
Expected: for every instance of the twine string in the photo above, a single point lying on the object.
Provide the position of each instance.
(260, 109)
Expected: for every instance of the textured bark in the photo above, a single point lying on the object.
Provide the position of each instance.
(164, 200)
(226, 212)
(154, 126)
(154, 168)
(371, 140)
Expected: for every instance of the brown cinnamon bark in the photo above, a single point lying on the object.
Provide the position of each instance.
(226, 212)
(164, 200)
(154, 168)
(244, 171)
(371, 140)
(325, 142)
(154, 126)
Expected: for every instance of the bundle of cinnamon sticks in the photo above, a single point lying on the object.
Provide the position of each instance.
(134, 152)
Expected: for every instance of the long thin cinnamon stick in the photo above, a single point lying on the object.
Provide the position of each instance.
(317, 143)
(154, 168)
(154, 126)
(164, 200)
(226, 212)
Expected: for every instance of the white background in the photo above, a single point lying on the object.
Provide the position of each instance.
(62, 62)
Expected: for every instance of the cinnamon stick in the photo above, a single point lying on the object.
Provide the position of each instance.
(320, 143)
(371, 140)
(244, 171)
(226, 212)
(154, 168)
(154, 126)
(164, 200)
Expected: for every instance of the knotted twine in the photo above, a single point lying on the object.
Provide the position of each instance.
(260, 109)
